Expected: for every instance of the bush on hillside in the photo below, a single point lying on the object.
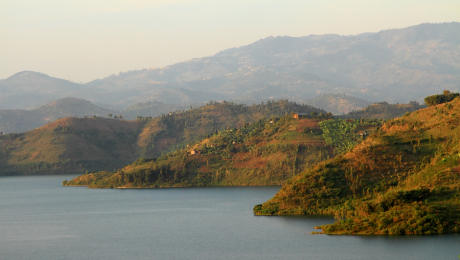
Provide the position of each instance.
(446, 96)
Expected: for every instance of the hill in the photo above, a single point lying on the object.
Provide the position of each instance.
(75, 107)
(338, 104)
(263, 153)
(383, 110)
(29, 89)
(70, 145)
(79, 144)
(18, 120)
(175, 130)
(404, 179)
(396, 65)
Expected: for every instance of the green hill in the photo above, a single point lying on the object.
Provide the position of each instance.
(76, 145)
(267, 152)
(404, 179)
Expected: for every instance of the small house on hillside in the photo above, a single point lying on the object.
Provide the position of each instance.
(299, 115)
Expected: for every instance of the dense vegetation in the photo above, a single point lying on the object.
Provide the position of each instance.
(383, 110)
(441, 98)
(76, 145)
(263, 153)
(345, 134)
(404, 179)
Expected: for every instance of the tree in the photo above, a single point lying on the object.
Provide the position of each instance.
(446, 96)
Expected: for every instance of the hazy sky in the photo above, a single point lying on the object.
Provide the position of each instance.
(82, 40)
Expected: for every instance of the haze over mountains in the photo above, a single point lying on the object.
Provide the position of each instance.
(393, 65)
(28, 90)
(21, 120)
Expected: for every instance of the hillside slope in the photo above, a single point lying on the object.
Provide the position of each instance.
(70, 145)
(263, 153)
(174, 130)
(405, 179)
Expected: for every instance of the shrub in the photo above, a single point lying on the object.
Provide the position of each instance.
(439, 99)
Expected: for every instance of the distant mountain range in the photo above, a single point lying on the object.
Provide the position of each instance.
(394, 65)
(22, 120)
(338, 103)
(28, 90)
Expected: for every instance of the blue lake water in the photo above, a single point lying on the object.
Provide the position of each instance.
(40, 219)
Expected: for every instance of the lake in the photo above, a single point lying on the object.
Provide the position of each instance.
(40, 219)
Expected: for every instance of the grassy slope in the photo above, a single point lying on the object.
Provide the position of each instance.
(405, 179)
(70, 145)
(264, 153)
